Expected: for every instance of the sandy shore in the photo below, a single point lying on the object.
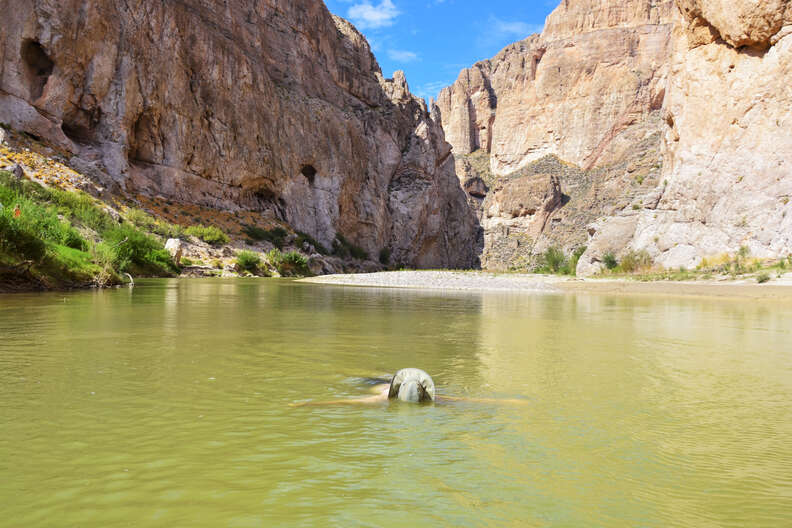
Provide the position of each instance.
(778, 288)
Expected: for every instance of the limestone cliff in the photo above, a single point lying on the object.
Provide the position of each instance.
(268, 105)
(581, 102)
(727, 178)
(667, 123)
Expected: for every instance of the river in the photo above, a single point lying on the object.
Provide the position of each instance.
(169, 405)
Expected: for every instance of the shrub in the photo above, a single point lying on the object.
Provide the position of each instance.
(635, 261)
(288, 264)
(138, 253)
(609, 259)
(276, 236)
(248, 261)
(209, 234)
(553, 260)
(763, 277)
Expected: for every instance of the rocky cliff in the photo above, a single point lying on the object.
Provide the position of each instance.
(727, 128)
(274, 106)
(666, 125)
(577, 109)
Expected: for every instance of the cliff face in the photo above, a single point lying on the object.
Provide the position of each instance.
(727, 138)
(667, 124)
(580, 102)
(271, 105)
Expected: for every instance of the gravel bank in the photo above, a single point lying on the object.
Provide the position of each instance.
(445, 280)
(778, 289)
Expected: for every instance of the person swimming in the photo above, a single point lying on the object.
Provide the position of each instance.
(408, 385)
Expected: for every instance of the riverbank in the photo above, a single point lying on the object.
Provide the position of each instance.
(779, 288)
(61, 230)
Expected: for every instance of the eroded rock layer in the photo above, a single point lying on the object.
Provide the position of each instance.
(670, 122)
(588, 92)
(272, 105)
(727, 178)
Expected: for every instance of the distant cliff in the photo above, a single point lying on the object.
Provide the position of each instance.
(652, 125)
(274, 106)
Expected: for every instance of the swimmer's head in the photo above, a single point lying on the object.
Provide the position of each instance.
(412, 385)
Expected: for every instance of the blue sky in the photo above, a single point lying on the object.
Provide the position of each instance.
(431, 40)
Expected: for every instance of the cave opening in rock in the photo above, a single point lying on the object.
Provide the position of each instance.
(309, 172)
(38, 65)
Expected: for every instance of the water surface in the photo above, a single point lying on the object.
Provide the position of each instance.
(168, 405)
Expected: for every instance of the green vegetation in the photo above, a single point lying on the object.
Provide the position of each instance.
(344, 249)
(147, 222)
(763, 277)
(210, 234)
(609, 259)
(635, 261)
(305, 237)
(276, 236)
(248, 261)
(288, 264)
(554, 261)
(66, 239)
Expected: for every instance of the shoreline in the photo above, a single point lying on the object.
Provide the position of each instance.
(482, 281)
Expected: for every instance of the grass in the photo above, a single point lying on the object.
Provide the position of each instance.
(212, 235)
(69, 238)
(143, 220)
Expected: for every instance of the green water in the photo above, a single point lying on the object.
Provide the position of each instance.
(168, 405)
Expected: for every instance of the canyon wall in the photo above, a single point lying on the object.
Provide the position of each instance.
(653, 125)
(578, 108)
(269, 105)
(727, 127)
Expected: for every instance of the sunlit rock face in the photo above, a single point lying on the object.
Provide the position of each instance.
(727, 177)
(273, 105)
(586, 93)
(668, 123)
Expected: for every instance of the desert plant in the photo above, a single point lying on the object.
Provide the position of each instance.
(248, 261)
(288, 264)
(635, 261)
(609, 259)
(210, 234)
(763, 277)
(553, 260)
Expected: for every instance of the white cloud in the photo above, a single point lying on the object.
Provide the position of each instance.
(402, 55)
(431, 89)
(499, 31)
(366, 15)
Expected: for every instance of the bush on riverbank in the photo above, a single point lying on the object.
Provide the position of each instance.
(288, 264)
(248, 261)
(553, 261)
